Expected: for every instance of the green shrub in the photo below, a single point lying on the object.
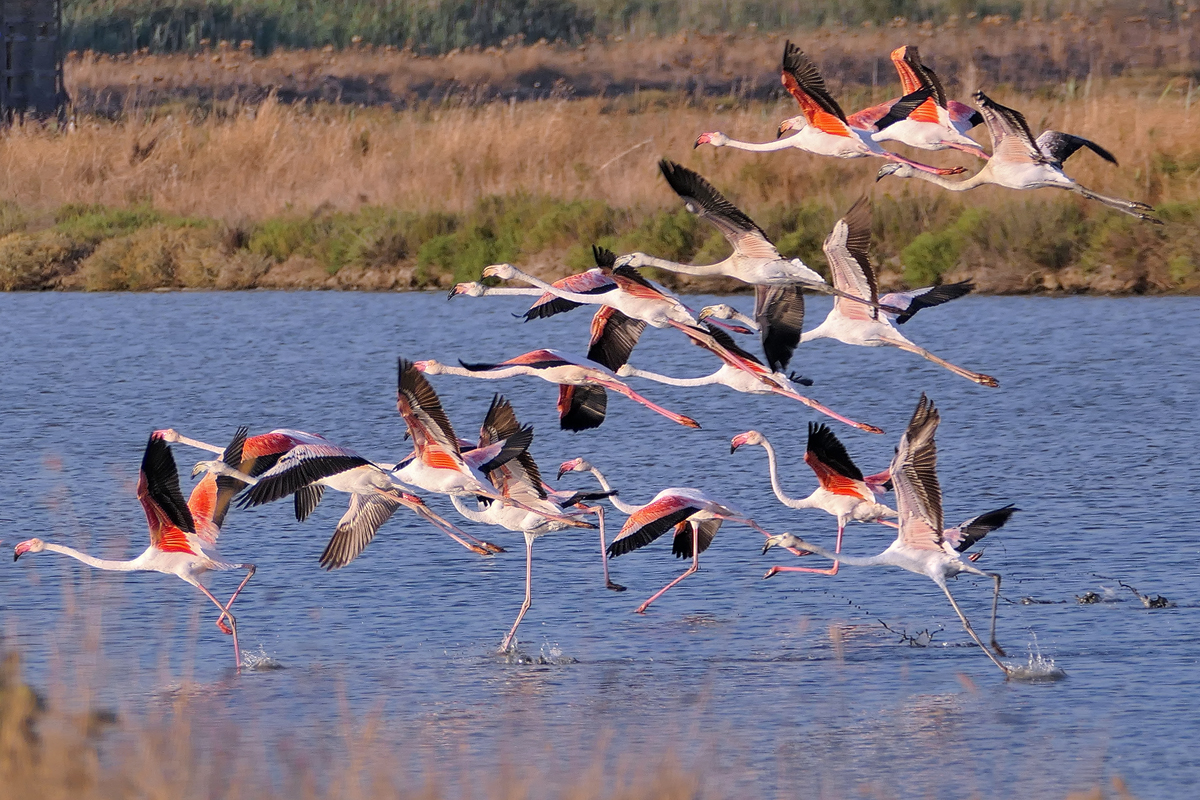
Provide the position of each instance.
(148, 258)
(30, 261)
(933, 253)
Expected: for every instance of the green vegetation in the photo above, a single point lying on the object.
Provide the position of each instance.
(1019, 247)
(441, 25)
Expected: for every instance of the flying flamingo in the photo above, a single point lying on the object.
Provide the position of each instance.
(303, 464)
(822, 128)
(521, 479)
(1020, 162)
(842, 490)
(920, 545)
(183, 536)
(853, 323)
(936, 124)
(742, 372)
(567, 371)
(694, 516)
(778, 303)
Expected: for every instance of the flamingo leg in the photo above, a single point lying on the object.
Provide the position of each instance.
(616, 587)
(528, 593)
(977, 377)
(889, 523)
(971, 630)
(250, 569)
(815, 406)
(1131, 207)
(480, 547)
(693, 568)
(237, 652)
(923, 167)
(621, 388)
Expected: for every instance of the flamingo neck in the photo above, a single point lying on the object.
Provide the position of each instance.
(99, 563)
(853, 561)
(762, 147)
(978, 179)
(511, 290)
(472, 514)
(707, 380)
(490, 375)
(773, 465)
(586, 299)
(199, 445)
(703, 270)
(617, 502)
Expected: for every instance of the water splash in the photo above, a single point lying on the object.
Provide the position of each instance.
(549, 655)
(259, 662)
(1037, 669)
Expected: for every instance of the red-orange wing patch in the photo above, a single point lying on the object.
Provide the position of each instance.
(438, 458)
(203, 500)
(267, 444)
(835, 482)
(173, 540)
(926, 112)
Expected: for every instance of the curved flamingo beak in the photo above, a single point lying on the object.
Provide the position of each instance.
(703, 138)
(784, 127)
(491, 271)
(419, 366)
(704, 314)
(21, 549)
(565, 467)
(456, 290)
(739, 440)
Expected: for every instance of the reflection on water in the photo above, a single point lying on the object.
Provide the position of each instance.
(768, 685)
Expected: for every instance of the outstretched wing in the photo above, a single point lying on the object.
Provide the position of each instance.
(652, 521)
(210, 499)
(298, 468)
(581, 407)
(614, 335)
(967, 533)
(910, 57)
(1058, 147)
(706, 530)
(779, 312)
(1011, 137)
(827, 456)
(846, 248)
(914, 474)
(803, 81)
(700, 198)
(422, 411)
(514, 464)
(913, 301)
(594, 281)
(357, 527)
(167, 515)
(917, 106)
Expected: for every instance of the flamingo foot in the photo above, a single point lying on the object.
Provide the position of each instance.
(986, 380)
(862, 426)
(616, 587)
(225, 629)
(641, 609)
(950, 171)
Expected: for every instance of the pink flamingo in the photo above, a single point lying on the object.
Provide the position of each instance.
(183, 536)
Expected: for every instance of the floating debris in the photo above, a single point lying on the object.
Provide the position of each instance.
(1088, 598)
(1033, 601)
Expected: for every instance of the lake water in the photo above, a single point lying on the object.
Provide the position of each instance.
(776, 687)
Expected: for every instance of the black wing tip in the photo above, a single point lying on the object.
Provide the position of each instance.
(829, 450)
(603, 256)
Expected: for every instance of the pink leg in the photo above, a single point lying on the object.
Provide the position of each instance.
(481, 547)
(616, 587)
(695, 566)
(814, 405)
(773, 571)
(889, 523)
(621, 388)
(925, 167)
(528, 593)
(237, 653)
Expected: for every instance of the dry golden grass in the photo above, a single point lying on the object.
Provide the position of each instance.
(263, 160)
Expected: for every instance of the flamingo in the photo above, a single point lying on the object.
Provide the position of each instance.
(936, 124)
(520, 478)
(920, 545)
(842, 490)
(694, 516)
(183, 536)
(1021, 162)
(778, 304)
(822, 128)
(853, 323)
(303, 464)
(578, 410)
(742, 372)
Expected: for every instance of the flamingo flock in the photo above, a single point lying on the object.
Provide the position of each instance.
(494, 480)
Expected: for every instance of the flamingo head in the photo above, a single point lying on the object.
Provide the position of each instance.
(505, 272)
(625, 371)
(630, 260)
(715, 138)
(218, 467)
(720, 311)
(472, 289)
(574, 465)
(791, 124)
(785, 540)
(168, 435)
(30, 546)
(749, 437)
(895, 168)
(429, 367)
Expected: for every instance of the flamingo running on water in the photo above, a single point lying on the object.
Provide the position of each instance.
(303, 464)
(936, 124)
(842, 489)
(846, 249)
(822, 128)
(521, 479)
(183, 536)
(693, 515)
(1021, 162)
(921, 545)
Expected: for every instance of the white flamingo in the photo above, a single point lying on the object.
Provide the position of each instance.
(920, 545)
(1021, 162)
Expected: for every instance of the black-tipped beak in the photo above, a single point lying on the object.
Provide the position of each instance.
(732, 449)
(453, 293)
(695, 144)
(766, 547)
(779, 132)
(561, 472)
